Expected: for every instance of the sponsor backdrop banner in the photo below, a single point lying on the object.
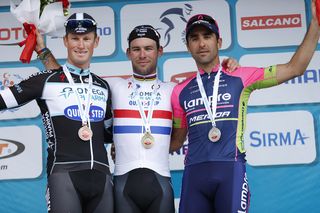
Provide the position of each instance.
(20, 154)
(282, 137)
(170, 20)
(256, 27)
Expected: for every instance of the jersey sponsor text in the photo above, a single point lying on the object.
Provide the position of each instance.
(244, 195)
(199, 101)
(206, 116)
(96, 113)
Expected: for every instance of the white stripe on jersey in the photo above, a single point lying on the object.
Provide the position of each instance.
(9, 98)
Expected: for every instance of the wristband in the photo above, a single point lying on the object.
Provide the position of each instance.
(43, 55)
(42, 50)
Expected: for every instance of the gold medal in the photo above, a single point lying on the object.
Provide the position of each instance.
(147, 140)
(214, 134)
(85, 133)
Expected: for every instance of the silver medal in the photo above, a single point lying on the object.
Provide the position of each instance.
(147, 140)
(85, 133)
(214, 134)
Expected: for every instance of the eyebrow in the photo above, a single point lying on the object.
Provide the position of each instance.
(140, 47)
(207, 32)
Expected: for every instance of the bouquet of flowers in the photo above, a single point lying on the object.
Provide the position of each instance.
(65, 5)
(47, 16)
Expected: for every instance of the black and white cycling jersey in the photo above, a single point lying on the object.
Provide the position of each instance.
(62, 120)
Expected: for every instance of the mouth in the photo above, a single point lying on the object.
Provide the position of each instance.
(81, 53)
(203, 52)
(143, 63)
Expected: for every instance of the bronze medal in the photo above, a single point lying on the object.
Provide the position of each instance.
(85, 133)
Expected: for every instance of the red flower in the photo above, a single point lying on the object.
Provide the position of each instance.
(65, 4)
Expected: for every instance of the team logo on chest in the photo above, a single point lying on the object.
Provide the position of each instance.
(96, 113)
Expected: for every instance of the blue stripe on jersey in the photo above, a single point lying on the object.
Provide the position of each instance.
(138, 129)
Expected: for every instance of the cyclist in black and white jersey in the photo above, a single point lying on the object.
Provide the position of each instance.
(75, 107)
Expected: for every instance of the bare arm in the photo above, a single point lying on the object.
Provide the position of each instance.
(178, 137)
(300, 60)
(48, 60)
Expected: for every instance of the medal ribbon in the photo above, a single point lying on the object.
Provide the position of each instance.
(85, 117)
(211, 112)
(84, 113)
(146, 120)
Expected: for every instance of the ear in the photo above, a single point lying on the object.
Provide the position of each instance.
(128, 53)
(219, 43)
(96, 41)
(187, 44)
(160, 51)
(65, 42)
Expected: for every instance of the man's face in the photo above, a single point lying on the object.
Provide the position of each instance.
(80, 48)
(203, 46)
(143, 53)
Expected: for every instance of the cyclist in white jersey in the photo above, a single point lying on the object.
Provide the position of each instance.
(142, 119)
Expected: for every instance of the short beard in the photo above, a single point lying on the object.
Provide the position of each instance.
(147, 71)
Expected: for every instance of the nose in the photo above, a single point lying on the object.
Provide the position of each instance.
(81, 43)
(201, 42)
(142, 54)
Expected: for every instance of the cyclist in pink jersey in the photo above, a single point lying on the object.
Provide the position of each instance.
(211, 108)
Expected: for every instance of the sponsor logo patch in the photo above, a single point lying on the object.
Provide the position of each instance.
(10, 148)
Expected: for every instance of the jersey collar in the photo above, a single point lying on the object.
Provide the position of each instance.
(214, 69)
(150, 77)
(76, 70)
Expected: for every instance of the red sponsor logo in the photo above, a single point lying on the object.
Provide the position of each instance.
(14, 33)
(182, 76)
(271, 22)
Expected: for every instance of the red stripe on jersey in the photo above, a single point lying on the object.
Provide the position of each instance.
(123, 113)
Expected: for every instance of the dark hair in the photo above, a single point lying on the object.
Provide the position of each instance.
(145, 31)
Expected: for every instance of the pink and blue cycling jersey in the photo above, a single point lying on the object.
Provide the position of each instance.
(233, 94)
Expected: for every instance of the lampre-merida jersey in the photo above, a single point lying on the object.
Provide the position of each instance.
(61, 117)
(128, 127)
(233, 94)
